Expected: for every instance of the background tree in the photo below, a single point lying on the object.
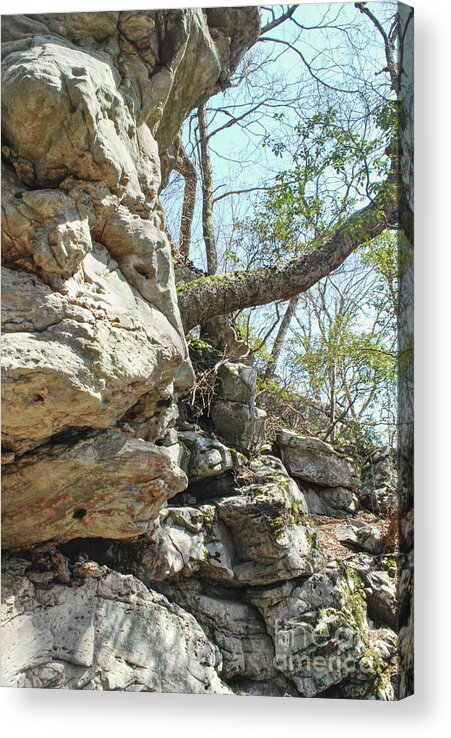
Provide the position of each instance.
(311, 174)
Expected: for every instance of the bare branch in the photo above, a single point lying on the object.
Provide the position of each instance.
(277, 21)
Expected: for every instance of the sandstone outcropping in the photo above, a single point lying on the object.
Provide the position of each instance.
(92, 106)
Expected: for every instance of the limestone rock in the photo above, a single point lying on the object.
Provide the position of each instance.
(78, 122)
(176, 547)
(314, 461)
(237, 383)
(260, 535)
(205, 457)
(107, 485)
(320, 633)
(233, 411)
(107, 633)
(257, 536)
(382, 598)
(81, 358)
(379, 492)
(241, 426)
(234, 626)
(335, 502)
(43, 231)
(364, 537)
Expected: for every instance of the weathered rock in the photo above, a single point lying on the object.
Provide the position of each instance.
(382, 578)
(340, 498)
(233, 411)
(43, 231)
(364, 537)
(234, 626)
(108, 633)
(78, 122)
(106, 485)
(83, 358)
(167, 60)
(237, 383)
(336, 502)
(382, 598)
(314, 461)
(240, 425)
(379, 491)
(90, 104)
(260, 535)
(176, 547)
(320, 633)
(257, 536)
(205, 457)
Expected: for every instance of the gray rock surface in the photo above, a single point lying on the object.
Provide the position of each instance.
(314, 461)
(204, 457)
(321, 635)
(240, 425)
(235, 626)
(234, 413)
(335, 502)
(364, 537)
(379, 491)
(106, 632)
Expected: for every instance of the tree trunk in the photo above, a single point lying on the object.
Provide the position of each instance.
(207, 194)
(221, 294)
(280, 338)
(186, 168)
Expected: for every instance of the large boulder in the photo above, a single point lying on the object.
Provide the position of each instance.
(335, 502)
(366, 537)
(321, 635)
(105, 632)
(313, 460)
(82, 358)
(106, 484)
(204, 457)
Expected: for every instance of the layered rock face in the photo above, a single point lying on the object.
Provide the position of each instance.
(92, 106)
(107, 632)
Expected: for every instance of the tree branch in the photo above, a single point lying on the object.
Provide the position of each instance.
(225, 293)
(277, 21)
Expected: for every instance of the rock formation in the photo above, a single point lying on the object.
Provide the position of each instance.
(143, 551)
(92, 107)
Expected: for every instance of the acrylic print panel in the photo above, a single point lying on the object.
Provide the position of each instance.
(207, 458)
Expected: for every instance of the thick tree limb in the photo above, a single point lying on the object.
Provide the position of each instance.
(224, 293)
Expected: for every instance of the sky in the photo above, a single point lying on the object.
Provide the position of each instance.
(348, 62)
